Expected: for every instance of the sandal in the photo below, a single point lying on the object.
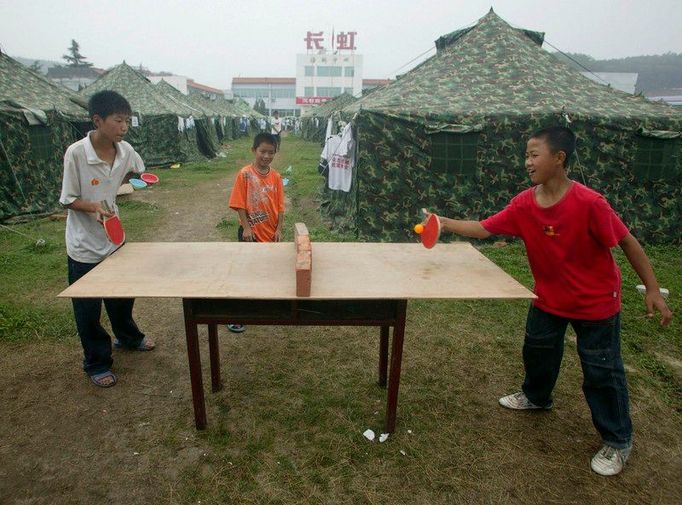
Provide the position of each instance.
(103, 379)
(144, 345)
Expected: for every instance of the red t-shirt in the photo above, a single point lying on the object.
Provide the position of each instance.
(262, 196)
(569, 250)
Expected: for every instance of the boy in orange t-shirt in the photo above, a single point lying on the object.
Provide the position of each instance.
(258, 198)
(258, 195)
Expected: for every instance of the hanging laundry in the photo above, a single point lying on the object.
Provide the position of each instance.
(340, 165)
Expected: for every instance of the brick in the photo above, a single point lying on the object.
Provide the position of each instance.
(303, 273)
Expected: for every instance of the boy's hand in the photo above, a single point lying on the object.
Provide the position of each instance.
(247, 234)
(278, 235)
(654, 300)
(101, 212)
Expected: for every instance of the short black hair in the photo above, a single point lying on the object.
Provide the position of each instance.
(264, 138)
(558, 138)
(107, 102)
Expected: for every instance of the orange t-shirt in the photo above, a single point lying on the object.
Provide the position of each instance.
(262, 196)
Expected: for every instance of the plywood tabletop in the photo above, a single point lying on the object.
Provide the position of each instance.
(340, 270)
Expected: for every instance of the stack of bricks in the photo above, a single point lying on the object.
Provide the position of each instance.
(304, 260)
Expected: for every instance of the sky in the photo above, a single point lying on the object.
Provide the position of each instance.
(212, 41)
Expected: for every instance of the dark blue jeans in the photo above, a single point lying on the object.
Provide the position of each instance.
(604, 384)
(95, 340)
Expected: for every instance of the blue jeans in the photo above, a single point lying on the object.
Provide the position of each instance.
(604, 384)
(95, 340)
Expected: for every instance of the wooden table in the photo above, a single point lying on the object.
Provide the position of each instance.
(353, 284)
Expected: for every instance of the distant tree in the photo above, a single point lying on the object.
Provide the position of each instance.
(260, 106)
(36, 66)
(75, 58)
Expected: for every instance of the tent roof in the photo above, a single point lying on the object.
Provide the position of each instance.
(21, 87)
(243, 108)
(327, 108)
(143, 96)
(176, 95)
(494, 69)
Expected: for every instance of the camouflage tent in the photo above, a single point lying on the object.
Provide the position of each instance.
(314, 121)
(166, 131)
(207, 136)
(38, 121)
(450, 135)
(253, 117)
(229, 117)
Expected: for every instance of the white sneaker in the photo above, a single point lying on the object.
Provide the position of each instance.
(519, 401)
(609, 460)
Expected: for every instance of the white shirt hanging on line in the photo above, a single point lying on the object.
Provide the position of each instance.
(328, 133)
(339, 153)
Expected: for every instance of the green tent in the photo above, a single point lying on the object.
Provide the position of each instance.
(314, 121)
(207, 136)
(165, 131)
(451, 133)
(38, 121)
(227, 113)
(253, 117)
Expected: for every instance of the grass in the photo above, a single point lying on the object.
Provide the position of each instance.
(288, 430)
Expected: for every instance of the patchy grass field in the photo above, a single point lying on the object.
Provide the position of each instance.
(288, 426)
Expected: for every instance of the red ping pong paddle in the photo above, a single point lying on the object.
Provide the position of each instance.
(429, 232)
(113, 227)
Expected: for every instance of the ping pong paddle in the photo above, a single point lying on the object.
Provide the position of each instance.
(112, 226)
(429, 231)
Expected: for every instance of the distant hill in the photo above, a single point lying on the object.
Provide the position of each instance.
(659, 75)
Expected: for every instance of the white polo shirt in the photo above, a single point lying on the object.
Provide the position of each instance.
(88, 178)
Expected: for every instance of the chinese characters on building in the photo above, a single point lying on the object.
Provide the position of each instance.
(342, 42)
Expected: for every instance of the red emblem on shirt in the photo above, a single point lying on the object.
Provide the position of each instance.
(94, 182)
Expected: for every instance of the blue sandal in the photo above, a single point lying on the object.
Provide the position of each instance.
(144, 346)
(99, 379)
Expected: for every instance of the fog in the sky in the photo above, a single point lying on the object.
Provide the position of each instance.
(212, 41)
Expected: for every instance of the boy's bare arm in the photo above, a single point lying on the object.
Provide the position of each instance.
(278, 231)
(472, 229)
(85, 206)
(247, 234)
(640, 263)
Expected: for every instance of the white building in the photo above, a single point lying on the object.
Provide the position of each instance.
(329, 68)
(323, 76)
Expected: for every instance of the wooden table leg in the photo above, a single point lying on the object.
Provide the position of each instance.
(194, 357)
(383, 356)
(214, 357)
(396, 361)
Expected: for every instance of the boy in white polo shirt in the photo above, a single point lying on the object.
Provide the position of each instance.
(94, 169)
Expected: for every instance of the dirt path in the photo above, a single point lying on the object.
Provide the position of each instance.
(66, 439)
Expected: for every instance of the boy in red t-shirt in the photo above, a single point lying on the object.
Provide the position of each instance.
(258, 198)
(569, 231)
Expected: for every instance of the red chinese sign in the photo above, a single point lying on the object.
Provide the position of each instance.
(343, 41)
(312, 100)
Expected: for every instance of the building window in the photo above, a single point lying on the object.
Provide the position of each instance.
(454, 153)
(349, 71)
(326, 91)
(329, 71)
(283, 93)
(309, 91)
(309, 70)
(656, 158)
